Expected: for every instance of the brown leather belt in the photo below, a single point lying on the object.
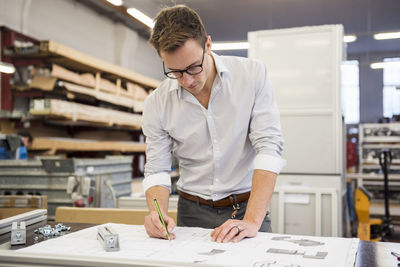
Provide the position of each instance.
(225, 202)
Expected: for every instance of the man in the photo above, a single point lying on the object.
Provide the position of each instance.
(217, 116)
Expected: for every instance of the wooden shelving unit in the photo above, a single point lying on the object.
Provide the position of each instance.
(67, 92)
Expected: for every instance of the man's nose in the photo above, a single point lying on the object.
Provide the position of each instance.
(187, 79)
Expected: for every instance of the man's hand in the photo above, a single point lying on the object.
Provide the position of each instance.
(261, 193)
(234, 230)
(155, 228)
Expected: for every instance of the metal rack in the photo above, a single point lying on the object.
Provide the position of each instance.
(373, 139)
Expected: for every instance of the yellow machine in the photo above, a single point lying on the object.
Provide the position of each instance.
(365, 224)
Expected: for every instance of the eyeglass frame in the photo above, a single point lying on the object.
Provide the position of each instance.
(185, 70)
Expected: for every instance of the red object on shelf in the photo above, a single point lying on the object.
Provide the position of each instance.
(8, 38)
(79, 203)
(351, 154)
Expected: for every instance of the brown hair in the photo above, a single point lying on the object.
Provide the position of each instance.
(174, 25)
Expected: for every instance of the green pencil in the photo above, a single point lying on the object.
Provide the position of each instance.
(161, 218)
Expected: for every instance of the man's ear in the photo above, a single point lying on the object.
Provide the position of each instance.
(208, 45)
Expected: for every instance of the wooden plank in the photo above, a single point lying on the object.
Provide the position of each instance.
(9, 212)
(97, 65)
(23, 201)
(69, 144)
(79, 112)
(103, 215)
(119, 100)
(98, 83)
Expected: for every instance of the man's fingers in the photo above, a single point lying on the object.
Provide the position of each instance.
(235, 230)
(155, 228)
(239, 237)
(224, 230)
(170, 224)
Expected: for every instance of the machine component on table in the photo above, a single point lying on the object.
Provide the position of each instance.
(30, 217)
(18, 233)
(49, 232)
(108, 238)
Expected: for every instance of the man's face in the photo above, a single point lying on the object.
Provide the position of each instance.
(190, 54)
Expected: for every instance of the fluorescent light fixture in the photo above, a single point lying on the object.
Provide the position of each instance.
(230, 46)
(116, 2)
(349, 38)
(6, 67)
(381, 65)
(386, 35)
(139, 15)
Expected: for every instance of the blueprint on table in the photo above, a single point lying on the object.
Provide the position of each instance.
(194, 245)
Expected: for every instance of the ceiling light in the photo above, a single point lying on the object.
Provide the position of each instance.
(6, 67)
(230, 46)
(381, 65)
(349, 38)
(116, 2)
(141, 17)
(387, 35)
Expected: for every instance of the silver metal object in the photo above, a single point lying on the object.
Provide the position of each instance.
(108, 238)
(49, 232)
(18, 233)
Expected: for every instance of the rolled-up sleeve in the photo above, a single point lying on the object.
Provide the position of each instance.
(158, 146)
(265, 131)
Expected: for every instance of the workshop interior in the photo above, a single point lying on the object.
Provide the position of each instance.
(74, 79)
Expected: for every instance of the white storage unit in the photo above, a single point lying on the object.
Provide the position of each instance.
(306, 204)
(303, 67)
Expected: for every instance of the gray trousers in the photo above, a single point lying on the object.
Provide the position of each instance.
(194, 214)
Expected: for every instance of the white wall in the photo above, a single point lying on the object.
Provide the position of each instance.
(75, 25)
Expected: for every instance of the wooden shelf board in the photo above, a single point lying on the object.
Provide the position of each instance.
(69, 144)
(54, 52)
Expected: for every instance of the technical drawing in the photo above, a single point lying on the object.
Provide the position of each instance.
(212, 252)
(272, 264)
(319, 255)
(300, 242)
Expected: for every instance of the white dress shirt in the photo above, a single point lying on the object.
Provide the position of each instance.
(217, 148)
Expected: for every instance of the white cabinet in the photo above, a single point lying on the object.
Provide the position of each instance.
(303, 66)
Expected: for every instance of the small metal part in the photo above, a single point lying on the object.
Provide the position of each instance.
(108, 238)
(18, 233)
(36, 239)
(49, 232)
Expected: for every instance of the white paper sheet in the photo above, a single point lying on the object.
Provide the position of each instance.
(194, 245)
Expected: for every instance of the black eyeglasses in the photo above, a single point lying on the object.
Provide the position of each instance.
(192, 70)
